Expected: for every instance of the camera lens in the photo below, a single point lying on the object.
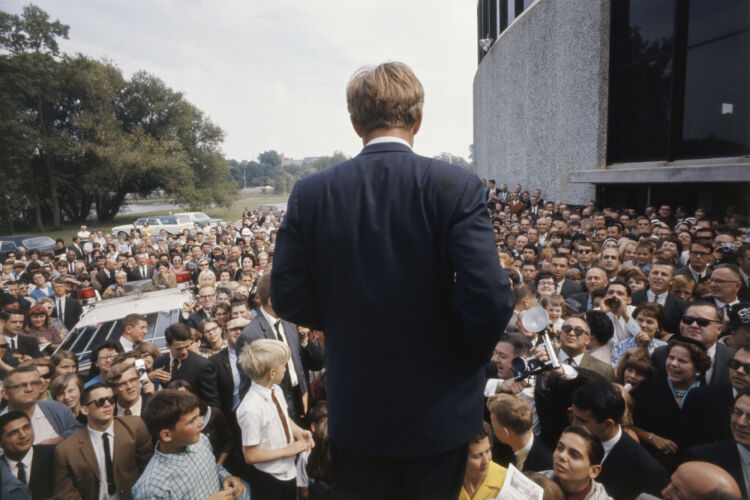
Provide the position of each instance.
(518, 366)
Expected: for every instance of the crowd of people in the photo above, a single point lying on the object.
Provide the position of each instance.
(649, 315)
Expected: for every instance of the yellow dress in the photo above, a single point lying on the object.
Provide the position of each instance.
(491, 485)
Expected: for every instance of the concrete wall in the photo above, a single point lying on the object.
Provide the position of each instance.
(540, 99)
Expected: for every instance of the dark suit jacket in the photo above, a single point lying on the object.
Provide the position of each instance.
(591, 363)
(656, 409)
(195, 319)
(225, 382)
(260, 329)
(630, 470)
(705, 415)
(720, 374)
(569, 288)
(73, 311)
(197, 371)
(77, 470)
(394, 249)
(674, 308)
(540, 457)
(40, 480)
(135, 273)
(105, 278)
(583, 299)
(26, 344)
(724, 455)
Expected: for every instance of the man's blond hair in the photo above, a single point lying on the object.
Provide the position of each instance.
(260, 356)
(386, 96)
(114, 373)
(511, 412)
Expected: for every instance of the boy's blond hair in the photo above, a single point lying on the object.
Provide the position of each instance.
(260, 356)
(554, 300)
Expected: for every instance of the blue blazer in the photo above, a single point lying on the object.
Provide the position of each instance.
(393, 256)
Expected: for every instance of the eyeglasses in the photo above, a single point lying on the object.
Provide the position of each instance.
(689, 320)
(702, 254)
(721, 282)
(577, 330)
(34, 384)
(106, 357)
(735, 364)
(102, 401)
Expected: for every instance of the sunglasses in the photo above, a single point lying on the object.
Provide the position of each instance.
(736, 365)
(703, 322)
(577, 330)
(101, 401)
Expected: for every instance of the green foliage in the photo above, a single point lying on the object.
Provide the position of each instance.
(74, 134)
(455, 160)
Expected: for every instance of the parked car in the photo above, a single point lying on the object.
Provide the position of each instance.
(103, 320)
(28, 241)
(201, 218)
(173, 224)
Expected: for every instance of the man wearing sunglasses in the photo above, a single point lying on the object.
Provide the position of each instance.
(703, 321)
(732, 455)
(105, 458)
(575, 336)
(52, 421)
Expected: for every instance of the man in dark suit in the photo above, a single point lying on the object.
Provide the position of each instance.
(698, 268)
(86, 461)
(143, 270)
(564, 286)
(31, 464)
(228, 374)
(743, 262)
(184, 364)
(627, 468)
(17, 343)
(267, 325)
(511, 420)
(705, 415)
(67, 308)
(731, 455)
(726, 283)
(705, 325)
(394, 250)
(659, 281)
(206, 299)
(106, 276)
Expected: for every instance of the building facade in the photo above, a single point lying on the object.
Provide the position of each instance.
(628, 102)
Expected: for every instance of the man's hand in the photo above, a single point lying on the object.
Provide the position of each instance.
(642, 340)
(188, 307)
(238, 323)
(541, 355)
(511, 386)
(234, 485)
(161, 375)
(148, 387)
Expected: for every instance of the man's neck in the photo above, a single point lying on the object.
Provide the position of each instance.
(388, 132)
(518, 442)
(170, 448)
(17, 457)
(129, 404)
(658, 292)
(99, 426)
(29, 410)
(572, 354)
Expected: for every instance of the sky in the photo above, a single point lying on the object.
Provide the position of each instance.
(272, 73)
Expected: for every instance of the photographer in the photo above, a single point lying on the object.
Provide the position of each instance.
(616, 304)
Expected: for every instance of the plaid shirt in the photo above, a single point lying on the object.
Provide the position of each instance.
(190, 475)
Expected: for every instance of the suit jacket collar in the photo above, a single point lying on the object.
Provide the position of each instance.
(87, 449)
(386, 147)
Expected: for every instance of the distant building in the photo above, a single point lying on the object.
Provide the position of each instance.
(629, 102)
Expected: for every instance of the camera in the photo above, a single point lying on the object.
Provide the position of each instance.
(140, 367)
(536, 320)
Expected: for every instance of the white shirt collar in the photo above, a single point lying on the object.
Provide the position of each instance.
(26, 461)
(135, 409)
(97, 435)
(563, 357)
(388, 138)
(609, 444)
(271, 320)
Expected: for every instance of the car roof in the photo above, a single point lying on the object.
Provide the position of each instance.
(146, 303)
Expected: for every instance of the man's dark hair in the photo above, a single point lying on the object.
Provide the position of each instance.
(86, 394)
(600, 325)
(165, 408)
(530, 263)
(520, 343)
(20, 369)
(718, 312)
(10, 417)
(522, 291)
(601, 399)
(263, 288)
(132, 320)
(620, 282)
(531, 246)
(593, 445)
(544, 275)
(318, 412)
(177, 332)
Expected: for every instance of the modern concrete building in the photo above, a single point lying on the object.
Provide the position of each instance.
(629, 102)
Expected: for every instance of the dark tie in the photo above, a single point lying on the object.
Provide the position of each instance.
(278, 333)
(60, 310)
(571, 362)
(108, 465)
(281, 416)
(127, 412)
(726, 310)
(175, 367)
(13, 343)
(22, 473)
(143, 271)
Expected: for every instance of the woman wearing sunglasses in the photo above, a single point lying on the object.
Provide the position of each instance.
(659, 401)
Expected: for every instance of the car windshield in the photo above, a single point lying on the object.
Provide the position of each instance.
(200, 215)
(168, 220)
(83, 340)
(38, 241)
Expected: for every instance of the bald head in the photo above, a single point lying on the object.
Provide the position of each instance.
(701, 480)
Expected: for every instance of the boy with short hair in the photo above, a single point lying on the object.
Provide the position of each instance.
(270, 439)
(183, 465)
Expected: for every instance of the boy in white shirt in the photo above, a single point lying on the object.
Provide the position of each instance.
(270, 439)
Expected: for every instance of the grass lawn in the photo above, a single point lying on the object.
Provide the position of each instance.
(231, 214)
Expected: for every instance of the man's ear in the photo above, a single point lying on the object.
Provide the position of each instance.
(357, 126)
(417, 124)
(84, 409)
(165, 435)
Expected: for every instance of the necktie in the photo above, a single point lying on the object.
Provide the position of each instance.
(278, 333)
(726, 310)
(13, 343)
(143, 271)
(571, 362)
(128, 412)
(22, 473)
(60, 309)
(281, 416)
(108, 465)
(175, 367)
